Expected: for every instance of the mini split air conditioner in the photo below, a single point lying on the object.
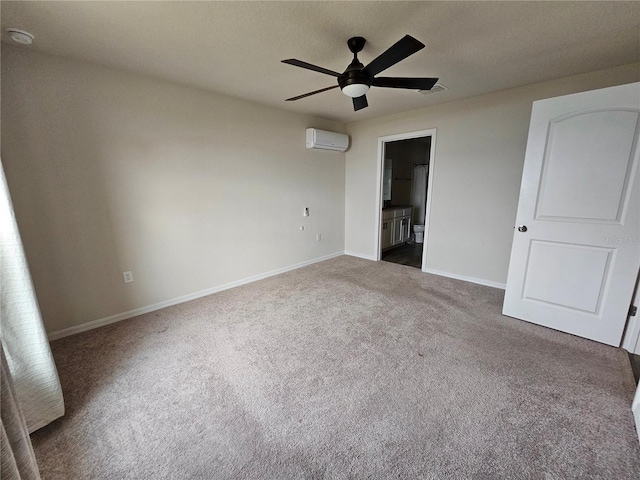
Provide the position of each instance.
(323, 140)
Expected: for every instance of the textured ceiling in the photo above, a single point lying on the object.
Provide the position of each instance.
(235, 48)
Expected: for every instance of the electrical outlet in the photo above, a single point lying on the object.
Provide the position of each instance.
(318, 237)
(305, 212)
(128, 276)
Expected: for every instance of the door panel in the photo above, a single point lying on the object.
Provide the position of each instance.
(386, 233)
(397, 231)
(406, 229)
(576, 279)
(604, 143)
(574, 266)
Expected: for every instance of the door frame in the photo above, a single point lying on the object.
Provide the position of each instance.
(635, 408)
(380, 176)
(631, 337)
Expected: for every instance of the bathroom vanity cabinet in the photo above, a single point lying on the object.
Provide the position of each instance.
(396, 226)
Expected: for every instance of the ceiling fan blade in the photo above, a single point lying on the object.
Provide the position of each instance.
(359, 103)
(309, 66)
(310, 93)
(403, 82)
(406, 46)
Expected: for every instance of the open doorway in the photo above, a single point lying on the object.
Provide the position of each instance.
(406, 173)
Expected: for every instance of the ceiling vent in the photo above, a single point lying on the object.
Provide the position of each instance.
(438, 87)
(19, 36)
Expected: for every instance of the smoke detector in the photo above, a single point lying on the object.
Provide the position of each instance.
(19, 36)
(438, 87)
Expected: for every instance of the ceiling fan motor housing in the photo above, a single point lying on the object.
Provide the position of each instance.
(354, 74)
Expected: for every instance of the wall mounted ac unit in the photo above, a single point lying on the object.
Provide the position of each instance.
(323, 140)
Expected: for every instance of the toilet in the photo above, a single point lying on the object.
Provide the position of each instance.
(418, 231)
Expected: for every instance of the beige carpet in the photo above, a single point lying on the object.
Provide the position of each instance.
(346, 369)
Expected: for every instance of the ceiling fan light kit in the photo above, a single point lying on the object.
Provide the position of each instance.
(356, 80)
(355, 90)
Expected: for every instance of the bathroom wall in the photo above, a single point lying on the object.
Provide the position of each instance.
(404, 154)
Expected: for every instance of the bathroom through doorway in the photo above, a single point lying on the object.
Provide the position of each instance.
(406, 174)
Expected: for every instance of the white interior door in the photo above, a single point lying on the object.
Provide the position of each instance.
(576, 252)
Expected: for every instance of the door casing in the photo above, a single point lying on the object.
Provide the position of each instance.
(380, 175)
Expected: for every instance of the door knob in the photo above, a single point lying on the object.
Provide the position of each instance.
(522, 228)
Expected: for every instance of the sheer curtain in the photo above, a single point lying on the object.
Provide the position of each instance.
(18, 461)
(419, 193)
(25, 343)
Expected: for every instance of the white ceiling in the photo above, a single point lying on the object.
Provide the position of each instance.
(235, 48)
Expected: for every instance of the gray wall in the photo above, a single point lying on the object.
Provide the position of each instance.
(111, 171)
(476, 169)
(191, 190)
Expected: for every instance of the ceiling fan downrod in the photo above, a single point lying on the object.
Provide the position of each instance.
(355, 82)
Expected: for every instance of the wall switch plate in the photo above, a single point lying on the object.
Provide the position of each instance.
(128, 276)
(318, 237)
(305, 212)
(301, 228)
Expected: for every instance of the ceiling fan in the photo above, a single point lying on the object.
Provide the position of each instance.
(356, 80)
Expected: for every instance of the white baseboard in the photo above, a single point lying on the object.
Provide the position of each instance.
(361, 255)
(185, 298)
(479, 281)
